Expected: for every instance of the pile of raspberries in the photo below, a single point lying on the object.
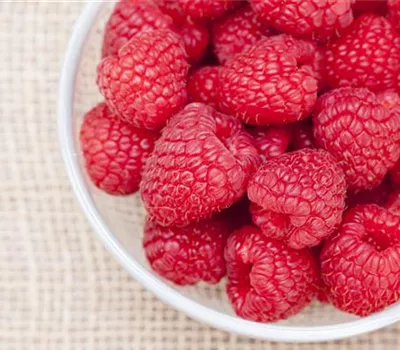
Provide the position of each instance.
(264, 139)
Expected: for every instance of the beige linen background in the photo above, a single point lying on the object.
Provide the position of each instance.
(59, 288)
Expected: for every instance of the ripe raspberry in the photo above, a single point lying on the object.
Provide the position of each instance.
(207, 9)
(146, 83)
(360, 133)
(395, 174)
(114, 152)
(200, 165)
(389, 99)
(393, 202)
(129, 18)
(316, 19)
(235, 32)
(378, 195)
(298, 197)
(394, 13)
(271, 142)
(173, 9)
(195, 37)
(190, 254)
(203, 85)
(367, 55)
(269, 83)
(267, 281)
(361, 264)
(302, 135)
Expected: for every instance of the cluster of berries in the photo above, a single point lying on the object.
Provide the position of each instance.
(264, 138)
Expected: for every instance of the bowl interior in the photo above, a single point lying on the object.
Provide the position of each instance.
(124, 216)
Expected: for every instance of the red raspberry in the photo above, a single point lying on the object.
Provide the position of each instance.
(322, 289)
(360, 133)
(395, 174)
(378, 195)
(128, 18)
(146, 83)
(173, 9)
(298, 197)
(207, 9)
(114, 152)
(371, 6)
(389, 99)
(195, 37)
(302, 135)
(361, 264)
(367, 55)
(235, 32)
(203, 85)
(393, 202)
(267, 281)
(267, 83)
(200, 165)
(190, 254)
(394, 13)
(320, 19)
(271, 142)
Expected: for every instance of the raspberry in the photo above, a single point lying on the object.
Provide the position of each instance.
(322, 289)
(302, 135)
(375, 6)
(114, 152)
(268, 83)
(173, 9)
(367, 55)
(298, 197)
(190, 254)
(267, 281)
(361, 264)
(378, 195)
(360, 133)
(129, 18)
(146, 83)
(394, 13)
(393, 202)
(235, 32)
(195, 37)
(200, 165)
(389, 99)
(271, 142)
(206, 9)
(395, 174)
(316, 19)
(203, 85)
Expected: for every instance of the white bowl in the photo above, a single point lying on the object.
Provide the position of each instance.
(118, 221)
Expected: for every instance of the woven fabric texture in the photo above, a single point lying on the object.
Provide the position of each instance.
(59, 288)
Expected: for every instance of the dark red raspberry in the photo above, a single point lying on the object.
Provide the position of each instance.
(271, 142)
(207, 9)
(353, 125)
(200, 165)
(114, 152)
(146, 83)
(269, 83)
(190, 254)
(195, 37)
(361, 264)
(203, 85)
(370, 6)
(367, 55)
(302, 135)
(393, 202)
(128, 18)
(235, 32)
(395, 174)
(298, 197)
(267, 281)
(394, 13)
(316, 19)
(378, 195)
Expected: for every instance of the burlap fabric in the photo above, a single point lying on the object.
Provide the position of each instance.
(59, 288)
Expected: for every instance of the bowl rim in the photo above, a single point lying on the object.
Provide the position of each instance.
(264, 331)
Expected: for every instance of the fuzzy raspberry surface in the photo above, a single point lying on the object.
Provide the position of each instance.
(146, 83)
(298, 197)
(114, 152)
(361, 264)
(129, 18)
(235, 32)
(190, 254)
(267, 281)
(203, 85)
(200, 165)
(316, 19)
(366, 55)
(271, 82)
(362, 134)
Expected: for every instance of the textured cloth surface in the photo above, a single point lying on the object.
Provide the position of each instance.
(59, 288)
